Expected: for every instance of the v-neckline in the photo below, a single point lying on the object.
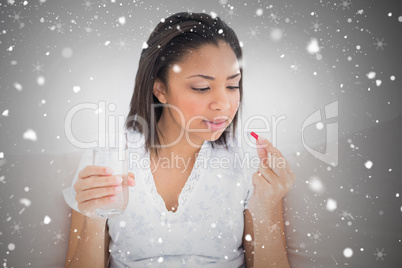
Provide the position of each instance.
(188, 189)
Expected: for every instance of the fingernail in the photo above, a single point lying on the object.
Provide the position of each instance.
(119, 179)
(118, 189)
(109, 170)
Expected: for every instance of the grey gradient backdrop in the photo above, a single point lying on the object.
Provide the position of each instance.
(57, 54)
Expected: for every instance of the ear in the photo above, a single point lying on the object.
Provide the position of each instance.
(159, 91)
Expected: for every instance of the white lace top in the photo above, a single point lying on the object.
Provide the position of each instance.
(207, 228)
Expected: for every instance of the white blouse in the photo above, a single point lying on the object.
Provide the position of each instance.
(207, 228)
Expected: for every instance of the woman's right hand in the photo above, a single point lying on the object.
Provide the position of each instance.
(96, 186)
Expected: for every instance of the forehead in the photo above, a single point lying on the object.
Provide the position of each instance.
(217, 61)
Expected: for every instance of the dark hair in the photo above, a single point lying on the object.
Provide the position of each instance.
(170, 41)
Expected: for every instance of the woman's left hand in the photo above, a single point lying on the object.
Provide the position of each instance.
(271, 182)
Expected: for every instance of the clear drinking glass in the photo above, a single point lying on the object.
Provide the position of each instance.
(115, 158)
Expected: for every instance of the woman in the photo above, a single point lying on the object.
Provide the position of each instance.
(188, 91)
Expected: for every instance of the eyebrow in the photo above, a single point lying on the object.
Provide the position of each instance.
(212, 78)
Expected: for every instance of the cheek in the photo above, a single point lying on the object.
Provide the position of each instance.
(235, 102)
(192, 107)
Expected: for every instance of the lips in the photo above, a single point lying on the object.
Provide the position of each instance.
(216, 124)
(217, 120)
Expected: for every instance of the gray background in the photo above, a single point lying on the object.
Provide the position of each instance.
(49, 48)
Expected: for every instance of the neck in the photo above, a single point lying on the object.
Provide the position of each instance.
(174, 142)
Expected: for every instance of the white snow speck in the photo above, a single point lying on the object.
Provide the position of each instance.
(319, 125)
(40, 80)
(400, 18)
(107, 43)
(5, 113)
(248, 238)
(67, 52)
(25, 201)
(378, 82)
(144, 45)
(348, 252)
(259, 12)
(371, 75)
(331, 204)
(368, 164)
(47, 220)
(316, 185)
(76, 89)
(122, 20)
(160, 240)
(18, 86)
(213, 15)
(360, 11)
(276, 34)
(160, 259)
(313, 47)
(30, 135)
(390, 14)
(1, 155)
(26, 189)
(213, 225)
(122, 224)
(392, 77)
(176, 68)
(11, 246)
(220, 31)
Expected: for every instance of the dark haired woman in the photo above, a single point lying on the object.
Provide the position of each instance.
(186, 103)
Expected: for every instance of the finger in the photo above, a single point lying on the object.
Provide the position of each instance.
(131, 179)
(89, 171)
(89, 207)
(267, 145)
(96, 193)
(98, 181)
(261, 184)
(267, 174)
(277, 164)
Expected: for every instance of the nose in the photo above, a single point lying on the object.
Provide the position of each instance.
(220, 100)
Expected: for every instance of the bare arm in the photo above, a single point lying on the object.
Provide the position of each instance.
(248, 246)
(88, 244)
(270, 241)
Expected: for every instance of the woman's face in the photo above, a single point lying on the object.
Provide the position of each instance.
(203, 91)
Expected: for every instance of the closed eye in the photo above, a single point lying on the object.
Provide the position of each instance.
(206, 88)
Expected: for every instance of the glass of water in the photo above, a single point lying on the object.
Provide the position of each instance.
(115, 158)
